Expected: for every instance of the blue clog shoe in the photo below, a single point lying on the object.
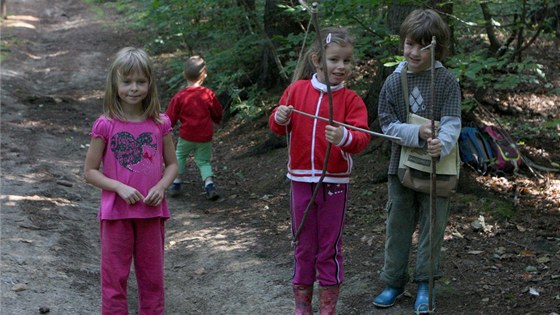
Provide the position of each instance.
(388, 297)
(421, 306)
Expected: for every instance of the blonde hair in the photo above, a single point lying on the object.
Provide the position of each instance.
(330, 35)
(127, 61)
(194, 68)
(420, 25)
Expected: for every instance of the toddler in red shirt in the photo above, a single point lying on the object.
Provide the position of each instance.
(198, 109)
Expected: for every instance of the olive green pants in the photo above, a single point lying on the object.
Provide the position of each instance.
(405, 210)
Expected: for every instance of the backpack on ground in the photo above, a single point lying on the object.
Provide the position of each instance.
(507, 156)
(476, 150)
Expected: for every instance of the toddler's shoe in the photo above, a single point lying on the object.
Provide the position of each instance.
(388, 297)
(174, 190)
(211, 192)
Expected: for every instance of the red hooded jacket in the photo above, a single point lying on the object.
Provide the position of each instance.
(307, 142)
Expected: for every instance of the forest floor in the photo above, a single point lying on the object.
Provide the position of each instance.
(233, 256)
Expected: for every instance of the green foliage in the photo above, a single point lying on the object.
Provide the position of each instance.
(289, 48)
(396, 60)
(468, 104)
(366, 193)
(366, 19)
(477, 70)
(193, 26)
(5, 49)
(251, 105)
(552, 124)
(187, 27)
(513, 22)
(498, 208)
(232, 40)
(502, 209)
(527, 131)
(176, 80)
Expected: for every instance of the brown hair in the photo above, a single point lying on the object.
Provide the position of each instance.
(127, 61)
(330, 35)
(194, 68)
(420, 25)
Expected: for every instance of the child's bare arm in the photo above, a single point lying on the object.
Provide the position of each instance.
(156, 193)
(95, 177)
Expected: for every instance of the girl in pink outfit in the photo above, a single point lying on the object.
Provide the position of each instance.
(132, 141)
(318, 250)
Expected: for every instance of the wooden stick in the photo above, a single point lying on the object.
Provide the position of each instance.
(347, 126)
(433, 194)
(330, 120)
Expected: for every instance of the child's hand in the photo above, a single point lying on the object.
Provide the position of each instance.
(129, 194)
(334, 134)
(434, 147)
(283, 114)
(425, 131)
(155, 196)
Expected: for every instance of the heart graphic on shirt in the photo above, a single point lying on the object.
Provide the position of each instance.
(134, 154)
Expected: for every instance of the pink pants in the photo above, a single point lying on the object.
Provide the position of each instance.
(318, 254)
(121, 242)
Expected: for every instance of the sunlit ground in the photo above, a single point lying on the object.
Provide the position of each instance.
(11, 200)
(19, 21)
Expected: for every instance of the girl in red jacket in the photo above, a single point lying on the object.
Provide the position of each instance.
(318, 255)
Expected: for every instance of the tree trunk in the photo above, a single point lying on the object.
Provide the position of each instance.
(267, 72)
(395, 16)
(277, 23)
(3, 9)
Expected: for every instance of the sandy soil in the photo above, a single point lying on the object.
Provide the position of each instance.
(231, 256)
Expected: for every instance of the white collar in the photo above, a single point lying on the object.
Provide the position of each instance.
(323, 87)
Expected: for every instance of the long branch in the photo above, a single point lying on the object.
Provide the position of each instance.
(347, 126)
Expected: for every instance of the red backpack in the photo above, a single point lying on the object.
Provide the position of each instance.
(507, 155)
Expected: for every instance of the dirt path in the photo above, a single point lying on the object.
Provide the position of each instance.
(51, 85)
(52, 82)
(226, 257)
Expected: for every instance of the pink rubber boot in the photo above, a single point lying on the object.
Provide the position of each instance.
(303, 294)
(327, 298)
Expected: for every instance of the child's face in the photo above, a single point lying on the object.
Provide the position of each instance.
(339, 63)
(418, 60)
(133, 88)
